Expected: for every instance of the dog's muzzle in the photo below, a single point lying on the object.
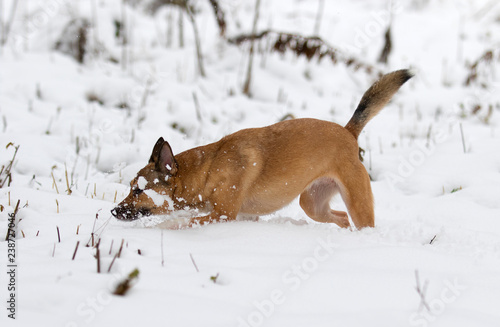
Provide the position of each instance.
(124, 213)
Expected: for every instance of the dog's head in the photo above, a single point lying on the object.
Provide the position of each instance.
(152, 189)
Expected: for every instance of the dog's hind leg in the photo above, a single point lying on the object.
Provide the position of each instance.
(315, 202)
(355, 189)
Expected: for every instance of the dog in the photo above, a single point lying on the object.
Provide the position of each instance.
(257, 171)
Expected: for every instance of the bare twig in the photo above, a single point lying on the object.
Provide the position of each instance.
(98, 257)
(121, 247)
(181, 29)
(463, 138)
(54, 184)
(199, 56)
(486, 58)
(76, 249)
(197, 106)
(421, 292)
(8, 26)
(146, 93)
(248, 79)
(67, 181)
(309, 47)
(194, 263)
(98, 232)
(123, 33)
(112, 262)
(168, 34)
(93, 229)
(58, 235)
(95, 23)
(386, 50)
(5, 172)
(319, 14)
(111, 247)
(220, 17)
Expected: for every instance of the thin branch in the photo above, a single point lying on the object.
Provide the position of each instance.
(463, 138)
(194, 263)
(8, 26)
(199, 56)
(111, 247)
(248, 79)
(121, 247)
(54, 182)
(197, 107)
(486, 58)
(6, 170)
(421, 292)
(112, 262)
(76, 249)
(309, 47)
(98, 257)
(93, 229)
(220, 17)
(386, 50)
(319, 15)
(67, 180)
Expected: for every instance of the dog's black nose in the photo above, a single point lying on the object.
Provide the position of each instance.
(124, 213)
(119, 213)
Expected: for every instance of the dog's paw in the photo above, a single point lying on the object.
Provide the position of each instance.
(341, 219)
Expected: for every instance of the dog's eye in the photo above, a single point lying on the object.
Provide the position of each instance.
(136, 191)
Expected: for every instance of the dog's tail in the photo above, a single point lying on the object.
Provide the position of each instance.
(375, 98)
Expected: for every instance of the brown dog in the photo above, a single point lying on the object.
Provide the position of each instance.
(260, 170)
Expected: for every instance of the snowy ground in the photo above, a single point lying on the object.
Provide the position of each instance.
(437, 205)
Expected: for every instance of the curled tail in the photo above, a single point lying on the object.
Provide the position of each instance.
(375, 98)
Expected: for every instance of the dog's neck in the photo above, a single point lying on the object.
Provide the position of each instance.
(191, 179)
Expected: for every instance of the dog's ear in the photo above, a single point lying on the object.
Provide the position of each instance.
(156, 150)
(163, 158)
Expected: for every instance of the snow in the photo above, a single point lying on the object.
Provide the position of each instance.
(142, 182)
(159, 199)
(434, 164)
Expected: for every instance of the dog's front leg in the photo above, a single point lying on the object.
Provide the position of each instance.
(214, 217)
(225, 208)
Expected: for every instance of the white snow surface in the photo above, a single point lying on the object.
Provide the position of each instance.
(434, 164)
(142, 182)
